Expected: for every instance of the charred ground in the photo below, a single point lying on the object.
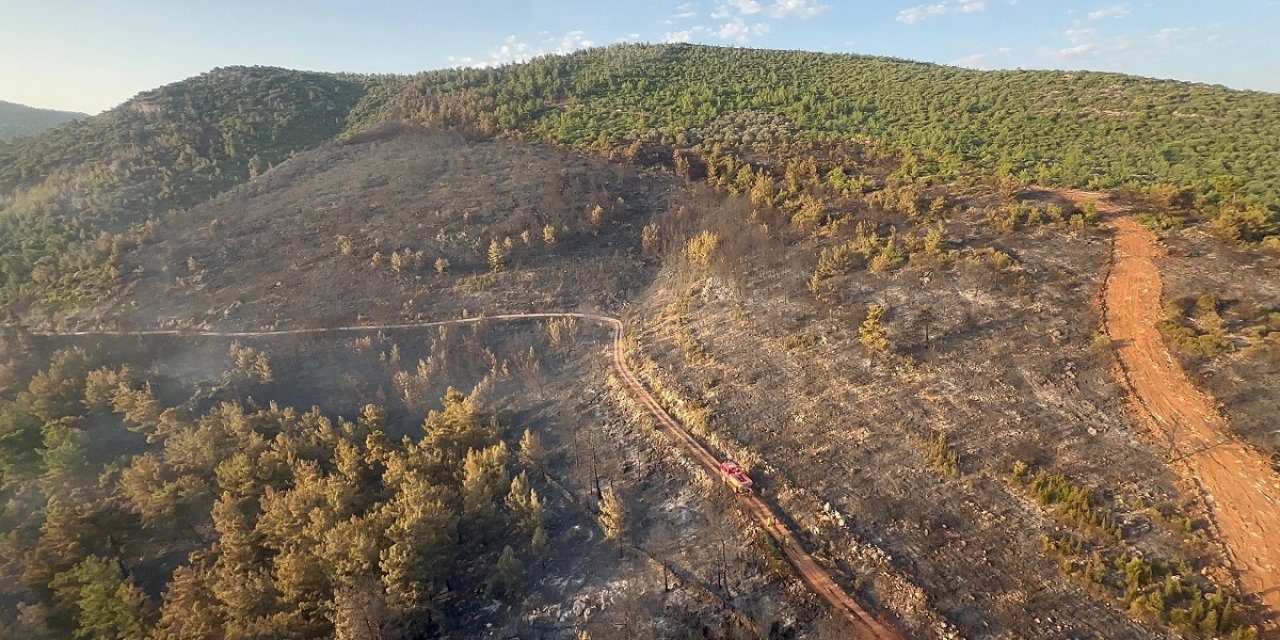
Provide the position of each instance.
(963, 460)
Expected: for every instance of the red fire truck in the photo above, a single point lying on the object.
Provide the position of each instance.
(735, 477)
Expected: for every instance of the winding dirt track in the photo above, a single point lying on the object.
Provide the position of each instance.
(1239, 486)
(862, 624)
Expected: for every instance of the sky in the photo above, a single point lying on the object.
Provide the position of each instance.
(90, 55)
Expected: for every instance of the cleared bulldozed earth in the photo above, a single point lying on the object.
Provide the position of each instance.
(1237, 480)
(1004, 364)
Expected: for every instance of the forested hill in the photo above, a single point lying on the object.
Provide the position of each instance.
(75, 197)
(193, 136)
(21, 120)
(1099, 130)
(72, 196)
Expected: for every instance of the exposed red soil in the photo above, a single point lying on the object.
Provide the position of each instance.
(1239, 485)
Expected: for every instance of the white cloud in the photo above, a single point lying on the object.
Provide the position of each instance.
(1078, 36)
(572, 41)
(672, 37)
(980, 60)
(1078, 51)
(921, 12)
(726, 9)
(1111, 11)
(740, 20)
(512, 49)
(797, 8)
(744, 7)
(738, 30)
(1169, 34)
(1184, 39)
(685, 11)
(1084, 42)
(1088, 49)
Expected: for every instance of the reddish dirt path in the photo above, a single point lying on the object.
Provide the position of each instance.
(1241, 489)
(863, 625)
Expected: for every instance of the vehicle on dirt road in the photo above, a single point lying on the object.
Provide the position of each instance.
(736, 477)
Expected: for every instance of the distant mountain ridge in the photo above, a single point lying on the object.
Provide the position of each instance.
(73, 196)
(20, 120)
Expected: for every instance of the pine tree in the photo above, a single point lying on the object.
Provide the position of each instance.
(533, 454)
(484, 482)
(423, 531)
(525, 505)
(107, 605)
(456, 429)
(190, 611)
(58, 391)
(64, 457)
(506, 573)
(702, 247)
(613, 515)
(361, 611)
(540, 545)
(872, 334)
(497, 255)
(763, 191)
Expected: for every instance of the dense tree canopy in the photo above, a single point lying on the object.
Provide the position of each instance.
(249, 522)
(1101, 130)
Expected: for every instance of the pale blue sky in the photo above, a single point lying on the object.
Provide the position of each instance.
(91, 55)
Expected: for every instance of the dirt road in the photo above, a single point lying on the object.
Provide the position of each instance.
(863, 625)
(1240, 487)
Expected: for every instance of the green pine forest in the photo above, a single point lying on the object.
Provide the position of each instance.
(259, 521)
(1096, 130)
(75, 198)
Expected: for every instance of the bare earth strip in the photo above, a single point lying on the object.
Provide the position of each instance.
(1239, 485)
(862, 624)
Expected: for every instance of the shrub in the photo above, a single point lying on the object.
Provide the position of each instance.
(702, 247)
(871, 333)
(1076, 504)
(942, 457)
(1244, 227)
(497, 255)
(649, 239)
(1158, 222)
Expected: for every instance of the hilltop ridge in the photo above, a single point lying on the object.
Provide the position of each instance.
(20, 120)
